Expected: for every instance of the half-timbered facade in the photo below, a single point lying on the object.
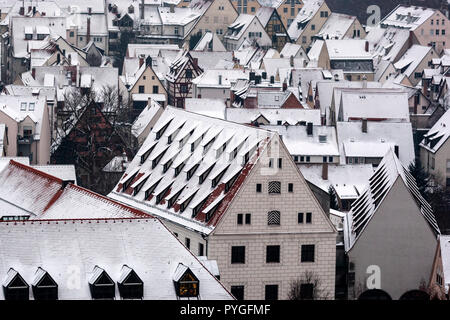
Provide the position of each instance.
(272, 23)
(179, 78)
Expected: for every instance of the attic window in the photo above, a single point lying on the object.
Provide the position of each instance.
(186, 283)
(130, 285)
(174, 197)
(185, 203)
(191, 172)
(158, 158)
(138, 187)
(219, 176)
(205, 174)
(101, 285)
(160, 195)
(15, 287)
(179, 168)
(160, 132)
(44, 287)
(167, 165)
(128, 180)
(152, 188)
(146, 153)
(322, 138)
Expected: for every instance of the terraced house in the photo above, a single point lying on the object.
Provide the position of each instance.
(232, 192)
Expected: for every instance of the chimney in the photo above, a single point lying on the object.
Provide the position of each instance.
(34, 11)
(141, 60)
(172, 8)
(367, 46)
(336, 77)
(89, 10)
(364, 125)
(195, 62)
(272, 79)
(22, 11)
(364, 81)
(264, 75)
(325, 171)
(88, 31)
(142, 9)
(284, 85)
(220, 79)
(309, 128)
(33, 73)
(291, 61)
(69, 58)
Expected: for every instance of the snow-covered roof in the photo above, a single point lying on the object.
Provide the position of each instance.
(336, 26)
(387, 43)
(438, 134)
(237, 29)
(293, 49)
(62, 171)
(384, 104)
(412, 59)
(209, 41)
(145, 117)
(144, 245)
(309, 9)
(18, 90)
(274, 65)
(180, 16)
(209, 59)
(215, 78)
(348, 180)
(378, 139)
(292, 116)
(347, 49)
(215, 108)
(407, 17)
(381, 182)
(183, 165)
(322, 142)
(264, 14)
(20, 107)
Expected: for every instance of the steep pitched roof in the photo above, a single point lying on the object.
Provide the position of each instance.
(182, 169)
(381, 182)
(438, 134)
(144, 245)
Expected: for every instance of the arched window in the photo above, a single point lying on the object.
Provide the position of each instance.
(101, 285)
(43, 286)
(15, 287)
(186, 283)
(130, 285)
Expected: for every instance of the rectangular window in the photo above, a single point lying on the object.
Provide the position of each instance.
(270, 162)
(183, 88)
(141, 89)
(188, 243)
(307, 253)
(272, 254)
(201, 249)
(302, 159)
(324, 159)
(23, 106)
(273, 218)
(248, 218)
(155, 89)
(308, 217)
(308, 159)
(189, 73)
(290, 187)
(271, 292)
(274, 187)
(238, 254)
(238, 292)
(300, 217)
(280, 163)
(240, 218)
(258, 187)
(330, 159)
(443, 32)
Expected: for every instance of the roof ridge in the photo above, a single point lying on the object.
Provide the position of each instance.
(35, 171)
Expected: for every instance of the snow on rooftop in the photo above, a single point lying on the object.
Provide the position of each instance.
(274, 116)
(348, 180)
(336, 26)
(309, 9)
(378, 133)
(209, 148)
(347, 49)
(61, 171)
(408, 17)
(363, 209)
(438, 134)
(145, 117)
(412, 58)
(215, 108)
(150, 249)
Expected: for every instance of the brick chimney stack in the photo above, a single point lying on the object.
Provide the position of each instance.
(325, 171)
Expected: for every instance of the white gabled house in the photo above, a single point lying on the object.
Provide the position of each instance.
(233, 193)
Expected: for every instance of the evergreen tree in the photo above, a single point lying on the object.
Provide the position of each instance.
(422, 177)
(333, 198)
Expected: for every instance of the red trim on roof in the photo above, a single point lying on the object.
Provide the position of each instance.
(35, 171)
(99, 196)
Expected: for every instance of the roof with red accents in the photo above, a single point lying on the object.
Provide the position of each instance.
(190, 167)
(28, 191)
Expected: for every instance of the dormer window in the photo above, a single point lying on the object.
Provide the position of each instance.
(205, 174)
(130, 285)
(15, 287)
(31, 106)
(44, 287)
(185, 282)
(191, 172)
(160, 132)
(101, 285)
(23, 106)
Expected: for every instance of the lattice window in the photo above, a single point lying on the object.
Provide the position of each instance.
(274, 187)
(273, 218)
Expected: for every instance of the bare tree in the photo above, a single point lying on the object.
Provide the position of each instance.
(308, 287)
